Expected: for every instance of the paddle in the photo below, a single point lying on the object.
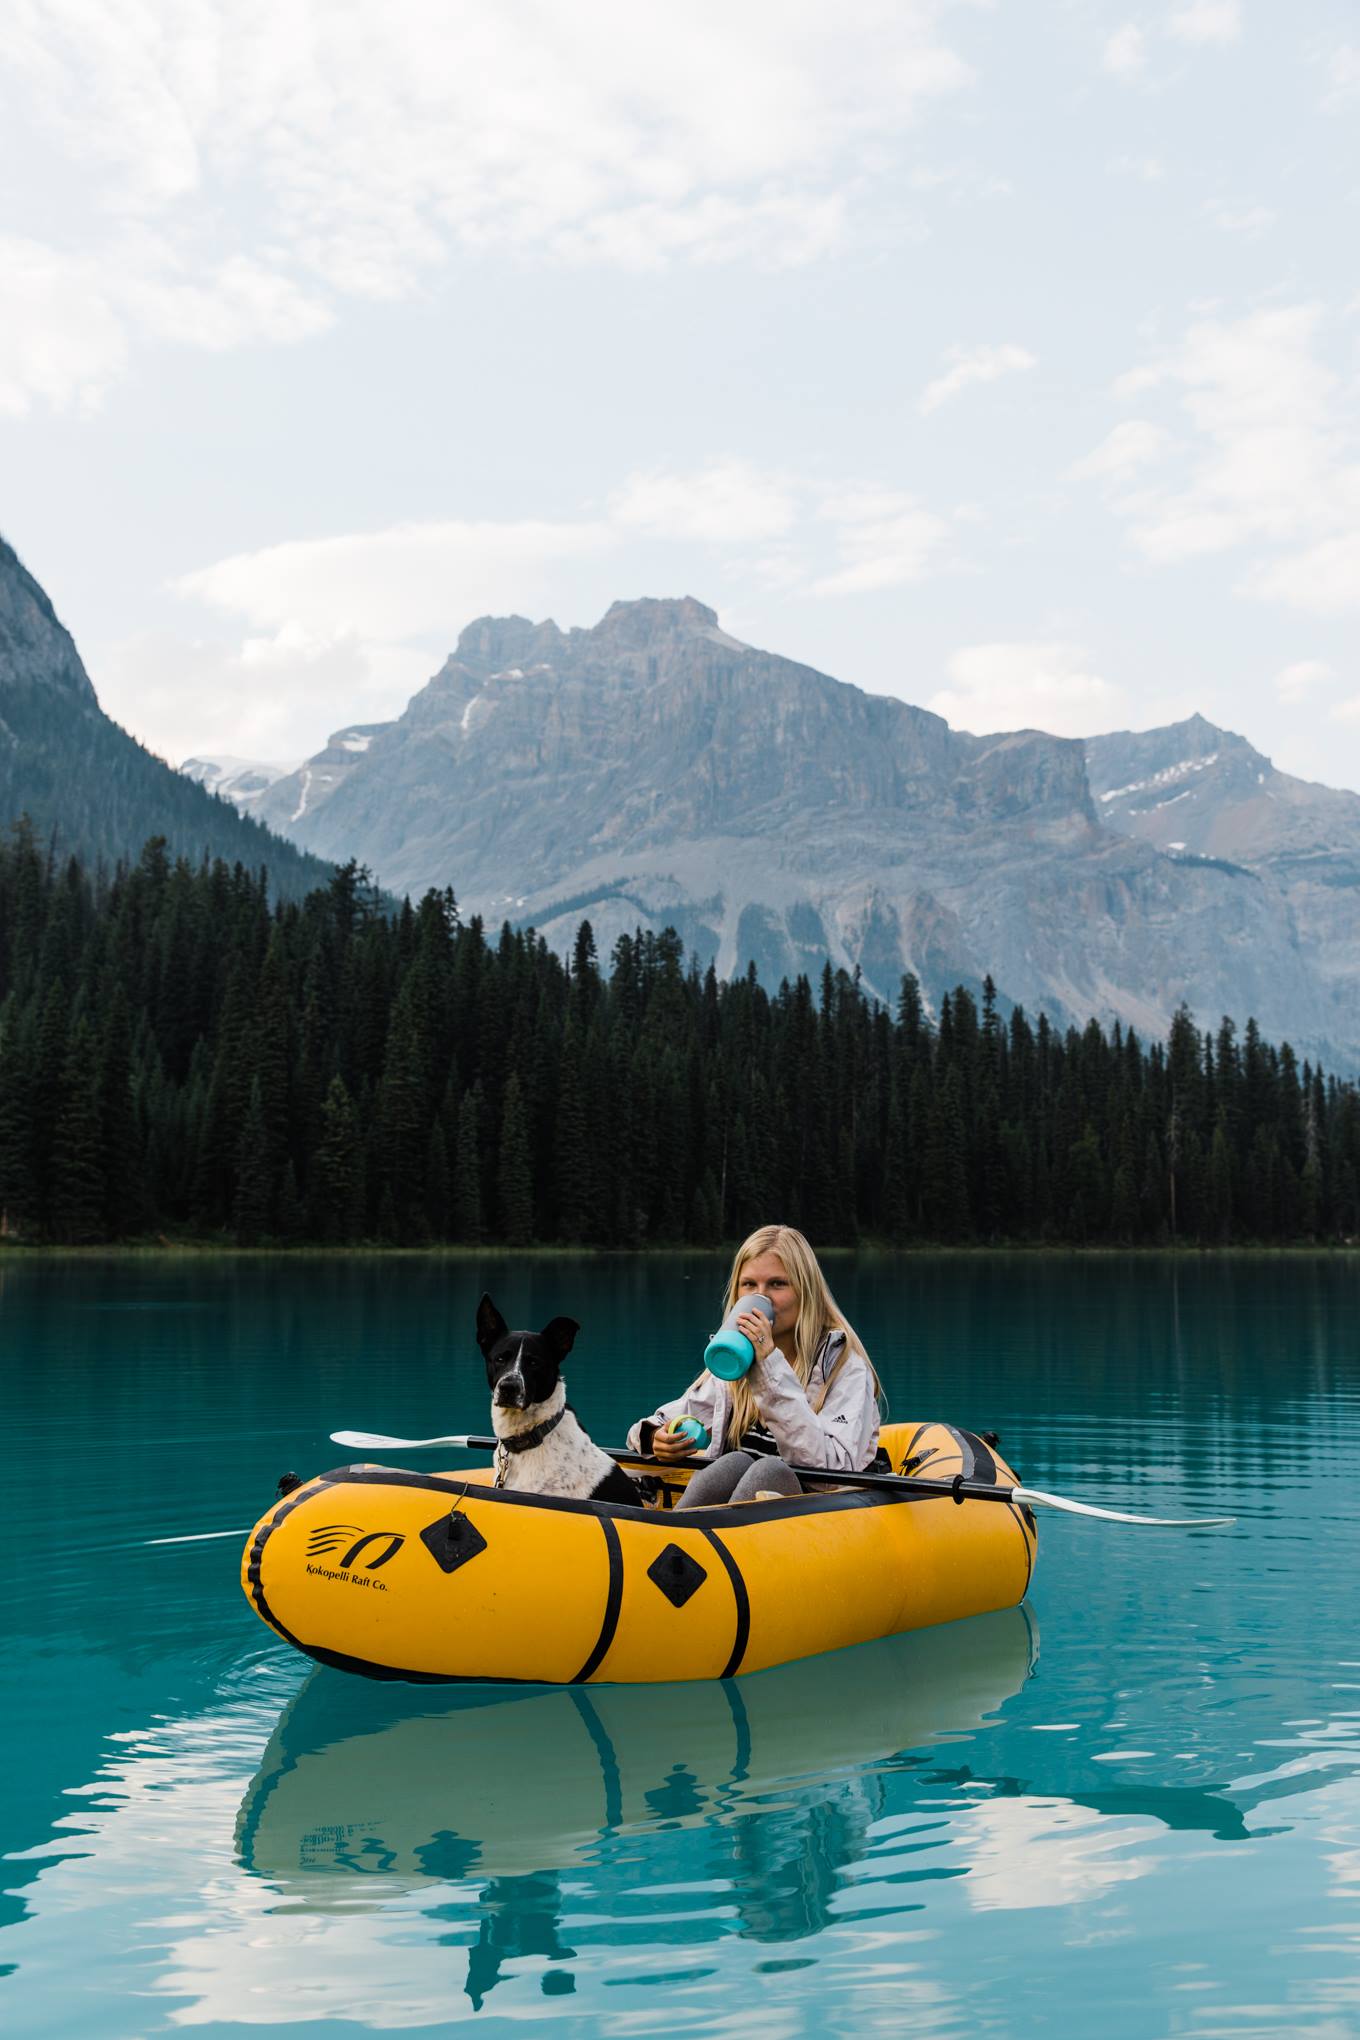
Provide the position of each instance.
(958, 1489)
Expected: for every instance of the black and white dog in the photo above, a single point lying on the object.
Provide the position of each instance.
(542, 1449)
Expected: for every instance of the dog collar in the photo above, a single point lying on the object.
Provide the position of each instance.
(525, 1441)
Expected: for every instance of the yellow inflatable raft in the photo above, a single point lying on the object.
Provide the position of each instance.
(440, 1576)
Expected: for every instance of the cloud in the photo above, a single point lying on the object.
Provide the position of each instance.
(726, 501)
(1206, 21)
(1265, 461)
(68, 323)
(1131, 445)
(256, 167)
(1324, 579)
(397, 583)
(1344, 88)
(973, 365)
(273, 697)
(1147, 169)
(885, 539)
(1125, 54)
(1305, 676)
(1250, 221)
(61, 340)
(1051, 687)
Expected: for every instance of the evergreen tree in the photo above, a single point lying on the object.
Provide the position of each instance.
(18, 1182)
(251, 1213)
(467, 1171)
(335, 1213)
(125, 1201)
(514, 1171)
(78, 1188)
(578, 1216)
(437, 1184)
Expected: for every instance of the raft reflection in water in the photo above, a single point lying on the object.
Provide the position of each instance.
(773, 1775)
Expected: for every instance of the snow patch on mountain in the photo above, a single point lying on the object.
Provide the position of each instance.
(239, 780)
(1167, 777)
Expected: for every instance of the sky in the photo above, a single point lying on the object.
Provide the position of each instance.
(1003, 357)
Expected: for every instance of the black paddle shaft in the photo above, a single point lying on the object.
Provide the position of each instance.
(956, 1490)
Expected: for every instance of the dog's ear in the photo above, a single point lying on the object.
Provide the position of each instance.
(490, 1324)
(559, 1337)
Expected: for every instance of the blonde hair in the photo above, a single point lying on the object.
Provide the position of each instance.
(818, 1314)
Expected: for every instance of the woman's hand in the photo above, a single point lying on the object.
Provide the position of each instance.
(757, 1328)
(669, 1446)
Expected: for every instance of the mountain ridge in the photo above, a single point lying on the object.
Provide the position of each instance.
(653, 769)
(83, 780)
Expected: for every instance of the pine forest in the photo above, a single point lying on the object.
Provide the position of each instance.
(180, 1059)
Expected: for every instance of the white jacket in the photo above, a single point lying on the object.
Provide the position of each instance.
(841, 1436)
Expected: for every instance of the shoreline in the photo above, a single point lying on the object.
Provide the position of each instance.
(15, 1253)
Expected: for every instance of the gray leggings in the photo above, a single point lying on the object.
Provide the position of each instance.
(738, 1477)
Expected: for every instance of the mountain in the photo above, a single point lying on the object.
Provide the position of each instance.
(79, 776)
(294, 798)
(655, 770)
(239, 780)
(1199, 793)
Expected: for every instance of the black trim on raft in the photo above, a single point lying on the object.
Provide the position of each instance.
(1029, 1547)
(366, 1669)
(975, 1457)
(262, 1536)
(984, 1465)
(724, 1515)
(743, 1605)
(613, 1603)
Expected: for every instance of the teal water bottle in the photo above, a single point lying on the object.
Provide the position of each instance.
(729, 1352)
(691, 1428)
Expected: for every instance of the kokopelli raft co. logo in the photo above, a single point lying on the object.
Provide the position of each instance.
(336, 1537)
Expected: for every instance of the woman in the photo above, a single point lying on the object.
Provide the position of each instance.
(810, 1397)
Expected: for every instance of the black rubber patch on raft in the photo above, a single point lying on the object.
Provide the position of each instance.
(677, 1574)
(452, 1541)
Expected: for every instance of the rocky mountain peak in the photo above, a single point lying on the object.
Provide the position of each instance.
(35, 649)
(496, 644)
(1135, 773)
(641, 624)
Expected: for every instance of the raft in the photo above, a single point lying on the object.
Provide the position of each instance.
(435, 1577)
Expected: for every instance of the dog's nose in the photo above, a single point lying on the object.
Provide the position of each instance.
(510, 1393)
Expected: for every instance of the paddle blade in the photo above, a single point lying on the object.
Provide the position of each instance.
(1039, 1500)
(374, 1441)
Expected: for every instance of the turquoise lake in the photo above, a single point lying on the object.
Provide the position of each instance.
(1130, 1808)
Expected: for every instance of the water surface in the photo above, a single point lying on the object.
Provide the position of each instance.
(1131, 1807)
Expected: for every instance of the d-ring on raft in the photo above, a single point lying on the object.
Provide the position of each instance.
(439, 1576)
